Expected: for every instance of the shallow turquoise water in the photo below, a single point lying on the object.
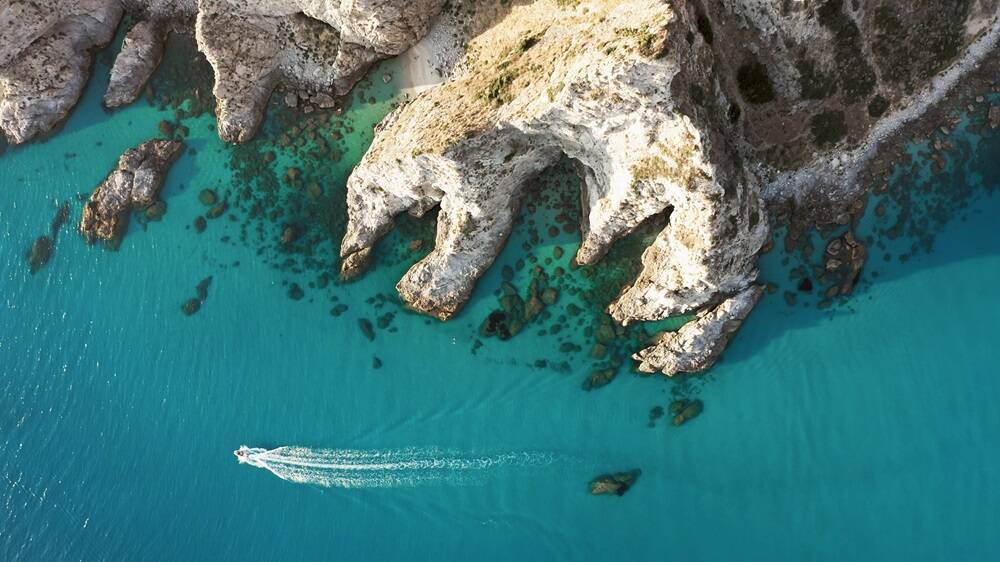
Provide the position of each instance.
(863, 432)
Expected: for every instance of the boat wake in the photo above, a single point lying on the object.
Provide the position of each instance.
(352, 468)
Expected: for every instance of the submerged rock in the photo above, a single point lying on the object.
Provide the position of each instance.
(40, 253)
(202, 288)
(43, 247)
(600, 378)
(366, 328)
(156, 211)
(207, 197)
(655, 413)
(60, 218)
(191, 306)
(134, 184)
(217, 210)
(289, 234)
(688, 410)
(615, 484)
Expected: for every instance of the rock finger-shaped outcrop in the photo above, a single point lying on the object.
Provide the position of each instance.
(595, 88)
(477, 214)
(478, 184)
(251, 54)
(698, 344)
(141, 53)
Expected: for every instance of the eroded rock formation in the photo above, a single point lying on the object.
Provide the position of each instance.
(133, 185)
(718, 113)
(699, 342)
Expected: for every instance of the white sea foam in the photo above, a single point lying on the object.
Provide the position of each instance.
(353, 468)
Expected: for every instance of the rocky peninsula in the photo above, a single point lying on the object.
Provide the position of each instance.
(723, 118)
(724, 115)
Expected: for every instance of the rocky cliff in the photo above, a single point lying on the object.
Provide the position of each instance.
(720, 113)
(322, 47)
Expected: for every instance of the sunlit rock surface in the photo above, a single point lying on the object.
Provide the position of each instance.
(718, 114)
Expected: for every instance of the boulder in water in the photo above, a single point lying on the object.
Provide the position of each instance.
(156, 211)
(134, 184)
(690, 409)
(207, 197)
(599, 378)
(366, 328)
(614, 484)
(844, 258)
(191, 306)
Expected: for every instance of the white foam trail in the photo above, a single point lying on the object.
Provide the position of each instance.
(354, 468)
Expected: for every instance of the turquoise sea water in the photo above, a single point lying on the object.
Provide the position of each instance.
(866, 431)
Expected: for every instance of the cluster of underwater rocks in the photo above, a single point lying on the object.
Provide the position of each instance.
(918, 182)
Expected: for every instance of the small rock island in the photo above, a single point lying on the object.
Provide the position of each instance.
(133, 185)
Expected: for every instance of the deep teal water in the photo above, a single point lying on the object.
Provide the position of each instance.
(866, 431)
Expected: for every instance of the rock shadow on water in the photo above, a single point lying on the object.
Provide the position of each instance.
(922, 200)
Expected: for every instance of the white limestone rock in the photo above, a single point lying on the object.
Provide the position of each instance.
(699, 343)
(616, 115)
(314, 45)
(141, 53)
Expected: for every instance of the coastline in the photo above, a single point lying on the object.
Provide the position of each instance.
(430, 61)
